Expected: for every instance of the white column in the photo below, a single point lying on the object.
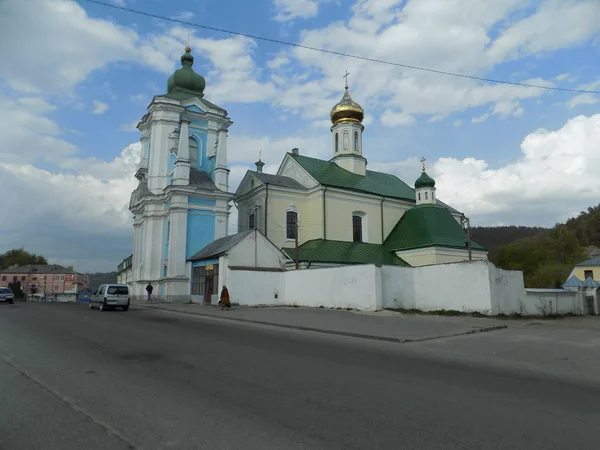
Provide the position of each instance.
(182, 165)
(136, 250)
(221, 170)
(222, 149)
(177, 243)
(211, 141)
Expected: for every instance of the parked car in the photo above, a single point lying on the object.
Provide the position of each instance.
(6, 295)
(110, 296)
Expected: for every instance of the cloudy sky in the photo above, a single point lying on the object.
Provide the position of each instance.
(76, 77)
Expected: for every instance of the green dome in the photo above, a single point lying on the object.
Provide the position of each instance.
(424, 181)
(185, 78)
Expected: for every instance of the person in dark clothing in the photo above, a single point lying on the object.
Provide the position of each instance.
(149, 290)
(224, 300)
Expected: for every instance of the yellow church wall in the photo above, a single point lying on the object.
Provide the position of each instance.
(580, 271)
(341, 205)
(438, 255)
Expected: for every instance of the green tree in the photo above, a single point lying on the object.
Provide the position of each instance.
(20, 257)
(15, 286)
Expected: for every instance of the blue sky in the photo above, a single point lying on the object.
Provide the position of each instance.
(79, 75)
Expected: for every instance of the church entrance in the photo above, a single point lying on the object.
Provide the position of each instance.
(205, 282)
(208, 289)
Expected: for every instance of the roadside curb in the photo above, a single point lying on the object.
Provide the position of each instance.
(331, 332)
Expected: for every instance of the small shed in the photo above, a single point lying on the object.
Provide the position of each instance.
(212, 266)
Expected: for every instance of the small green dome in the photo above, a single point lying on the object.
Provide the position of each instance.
(185, 78)
(424, 181)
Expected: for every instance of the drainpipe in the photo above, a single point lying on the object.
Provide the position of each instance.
(324, 216)
(382, 235)
(266, 207)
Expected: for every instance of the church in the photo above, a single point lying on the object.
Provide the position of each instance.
(312, 213)
(337, 212)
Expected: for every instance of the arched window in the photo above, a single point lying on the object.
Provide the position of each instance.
(426, 195)
(346, 140)
(337, 142)
(356, 141)
(193, 153)
(419, 194)
(291, 224)
(251, 222)
(359, 226)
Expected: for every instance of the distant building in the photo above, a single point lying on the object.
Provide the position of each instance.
(45, 279)
(587, 269)
(124, 272)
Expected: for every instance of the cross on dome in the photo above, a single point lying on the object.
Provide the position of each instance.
(423, 163)
(346, 77)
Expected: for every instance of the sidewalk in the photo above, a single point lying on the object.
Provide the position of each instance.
(382, 325)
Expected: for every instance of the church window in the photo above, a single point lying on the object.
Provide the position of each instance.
(251, 223)
(346, 140)
(198, 279)
(419, 194)
(426, 195)
(291, 224)
(251, 184)
(357, 228)
(337, 142)
(193, 153)
(356, 141)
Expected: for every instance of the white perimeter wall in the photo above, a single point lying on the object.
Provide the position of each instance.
(464, 286)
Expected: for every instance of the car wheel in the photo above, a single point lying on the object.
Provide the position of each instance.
(10, 302)
(102, 307)
(126, 308)
(90, 304)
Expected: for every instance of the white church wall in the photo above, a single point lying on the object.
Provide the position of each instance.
(459, 286)
(256, 251)
(538, 302)
(357, 286)
(398, 287)
(507, 290)
(255, 288)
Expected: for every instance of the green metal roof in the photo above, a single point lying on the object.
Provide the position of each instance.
(424, 181)
(329, 173)
(427, 226)
(342, 252)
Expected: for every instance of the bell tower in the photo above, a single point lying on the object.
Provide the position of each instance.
(347, 129)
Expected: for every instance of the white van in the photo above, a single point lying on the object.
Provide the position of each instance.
(110, 296)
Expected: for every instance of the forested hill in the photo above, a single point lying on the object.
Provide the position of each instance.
(96, 279)
(548, 257)
(493, 237)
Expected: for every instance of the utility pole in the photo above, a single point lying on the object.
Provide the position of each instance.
(255, 236)
(467, 227)
(296, 240)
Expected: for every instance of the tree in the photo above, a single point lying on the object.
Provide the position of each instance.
(547, 258)
(15, 287)
(20, 257)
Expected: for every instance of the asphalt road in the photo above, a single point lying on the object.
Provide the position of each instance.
(72, 378)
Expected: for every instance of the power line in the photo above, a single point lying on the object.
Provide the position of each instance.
(347, 55)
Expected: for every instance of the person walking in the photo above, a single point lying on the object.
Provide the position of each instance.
(224, 300)
(149, 290)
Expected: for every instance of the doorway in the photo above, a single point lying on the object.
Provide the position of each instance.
(208, 288)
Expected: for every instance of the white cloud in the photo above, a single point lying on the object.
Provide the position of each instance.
(556, 173)
(99, 107)
(586, 99)
(434, 34)
(392, 119)
(480, 119)
(184, 15)
(291, 9)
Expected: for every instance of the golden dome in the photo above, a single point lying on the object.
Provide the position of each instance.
(347, 110)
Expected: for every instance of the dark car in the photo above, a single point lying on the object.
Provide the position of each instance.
(6, 295)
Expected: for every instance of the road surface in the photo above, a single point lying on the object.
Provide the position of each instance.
(73, 378)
